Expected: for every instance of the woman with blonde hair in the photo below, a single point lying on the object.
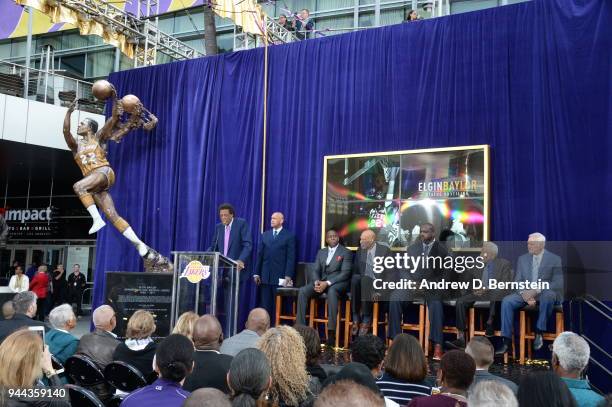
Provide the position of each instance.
(24, 361)
(185, 323)
(138, 349)
(286, 352)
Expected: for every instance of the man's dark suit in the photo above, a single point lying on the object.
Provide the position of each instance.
(8, 326)
(362, 284)
(76, 286)
(337, 272)
(240, 243)
(500, 270)
(401, 298)
(210, 370)
(275, 260)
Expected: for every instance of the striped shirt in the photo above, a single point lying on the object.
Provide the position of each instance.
(400, 390)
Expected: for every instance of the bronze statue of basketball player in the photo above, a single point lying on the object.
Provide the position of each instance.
(89, 151)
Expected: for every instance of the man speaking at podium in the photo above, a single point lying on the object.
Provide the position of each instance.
(233, 239)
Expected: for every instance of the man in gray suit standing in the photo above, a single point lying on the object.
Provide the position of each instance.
(331, 274)
(538, 264)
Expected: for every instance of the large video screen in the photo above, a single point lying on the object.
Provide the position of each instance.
(393, 193)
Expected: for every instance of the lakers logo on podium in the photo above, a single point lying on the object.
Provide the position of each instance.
(195, 272)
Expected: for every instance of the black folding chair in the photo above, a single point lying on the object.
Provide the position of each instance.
(83, 371)
(124, 376)
(82, 397)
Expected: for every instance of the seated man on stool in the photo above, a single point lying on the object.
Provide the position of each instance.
(495, 268)
(426, 247)
(331, 273)
(538, 264)
(362, 281)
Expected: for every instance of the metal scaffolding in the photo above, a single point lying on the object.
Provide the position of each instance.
(276, 34)
(140, 29)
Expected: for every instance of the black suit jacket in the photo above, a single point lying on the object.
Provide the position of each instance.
(77, 283)
(359, 265)
(338, 269)
(8, 326)
(501, 270)
(140, 359)
(210, 370)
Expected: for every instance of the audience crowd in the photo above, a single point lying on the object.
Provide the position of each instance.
(266, 367)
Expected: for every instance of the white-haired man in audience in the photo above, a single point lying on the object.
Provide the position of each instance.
(491, 393)
(570, 357)
(482, 351)
(62, 344)
(100, 344)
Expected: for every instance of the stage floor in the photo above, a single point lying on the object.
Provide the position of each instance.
(333, 361)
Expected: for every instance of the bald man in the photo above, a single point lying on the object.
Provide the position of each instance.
(210, 366)
(257, 324)
(100, 344)
(362, 281)
(275, 262)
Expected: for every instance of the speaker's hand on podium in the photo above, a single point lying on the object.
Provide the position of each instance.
(240, 264)
(288, 282)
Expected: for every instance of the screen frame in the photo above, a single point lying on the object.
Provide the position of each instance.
(484, 147)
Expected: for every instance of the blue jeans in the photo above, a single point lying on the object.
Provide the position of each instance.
(547, 300)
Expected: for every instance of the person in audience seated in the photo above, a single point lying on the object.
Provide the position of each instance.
(291, 385)
(8, 310)
(173, 362)
(495, 268)
(362, 281)
(19, 282)
(313, 349)
(427, 246)
(249, 377)
(138, 349)
(185, 323)
(39, 284)
(24, 304)
(570, 356)
(455, 376)
(538, 264)
(331, 275)
(207, 397)
(24, 359)
(62, 344)
(405, 371)
(369, 350)
(347, 393)
(211, 367)
(544, 389)
(482, 351)
(256, 325)
(362, 375)
(491, 393)
(100, 345)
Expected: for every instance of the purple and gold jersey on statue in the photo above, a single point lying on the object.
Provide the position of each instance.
(89, 156)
